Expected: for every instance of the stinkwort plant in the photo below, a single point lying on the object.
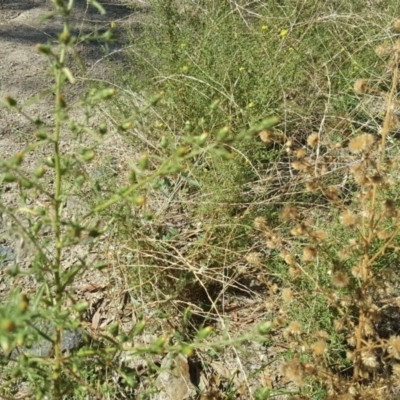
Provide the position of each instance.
(40, 316)
(340, 298)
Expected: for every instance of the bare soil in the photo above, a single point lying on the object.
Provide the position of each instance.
(24, 71)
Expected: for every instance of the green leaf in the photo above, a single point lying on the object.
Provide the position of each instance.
(99, 7)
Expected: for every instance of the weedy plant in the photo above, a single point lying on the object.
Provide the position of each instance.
(46, 352)
(340, 296)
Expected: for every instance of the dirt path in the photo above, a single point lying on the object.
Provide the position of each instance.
(24, 72)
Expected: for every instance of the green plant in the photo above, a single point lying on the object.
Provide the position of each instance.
(46, 347)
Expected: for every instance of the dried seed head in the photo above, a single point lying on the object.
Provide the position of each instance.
(396, 25)
(360, 86)
(369, 359)
(394, 347)
(312, 186)
(287, 295)
(319, 236)
(313, 139)
(293, 371)
(309, 254)
(319, 348)
(300, 153)
(323, 335)
(300, 165)
(344, 254)
(340, 279)
(287, 257)
(260, 224)
(294, 271)
(254, 259)
(376, 179)
(350, 355)
(356, 272)
(332, 192)
(362, 143)
(348, 219)
(368, 329)
(289, 213)
(383, 50)
(299, 230)
(390, 208)
(267, 136)
(294, 328)
(382, 235)
(338, 324)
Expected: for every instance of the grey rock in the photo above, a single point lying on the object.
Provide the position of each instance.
(6, 255)
(71, 341)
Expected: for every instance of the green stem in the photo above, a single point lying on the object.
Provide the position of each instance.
(57, 272)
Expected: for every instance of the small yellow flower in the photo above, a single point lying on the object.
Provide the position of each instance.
(183, 45)
(184, 68)
(159, 125)
(250, 105)
(241, 69)
(264, 28)
(283, 33)
(113, 25)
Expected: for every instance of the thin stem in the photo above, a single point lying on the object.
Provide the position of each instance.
(57, 272)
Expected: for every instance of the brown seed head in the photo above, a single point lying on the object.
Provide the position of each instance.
(299, 230)
(301, 153)
(396, 25)
(309, 254)
(294, 328)
(319, 236)
(300, 165)
(390, 208)
(362, 143)
(332, 192)
(313, 139)
(289, 213)
(356, 272)
(340, 279)
(267, 136)
(287, 257)
(368, 358)
(260, 224)
(254, 259)
(319, 348)
(287, 295)
(383, 50)
(348, 219)
(360, 86)
(394, 347)
(312, 186)
(293, 371)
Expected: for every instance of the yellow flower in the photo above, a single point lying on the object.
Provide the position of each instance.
(113, 25)
(184, 68)
(183, 45)
(241, 69)
(264, 28)
(250, 105)
(283, 33)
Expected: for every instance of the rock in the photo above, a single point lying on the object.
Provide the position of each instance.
(71, 341)
(6, 255)
(174, 381)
